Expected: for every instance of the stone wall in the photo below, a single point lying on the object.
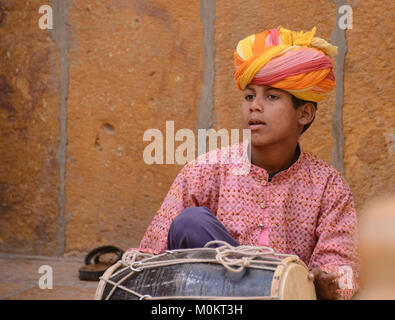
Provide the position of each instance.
(30, 88)
(75, 102)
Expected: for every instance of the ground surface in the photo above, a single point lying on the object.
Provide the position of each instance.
(19, 278)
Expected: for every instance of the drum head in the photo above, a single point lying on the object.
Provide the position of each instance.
(291, 281)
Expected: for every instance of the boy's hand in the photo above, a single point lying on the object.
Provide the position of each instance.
(325, 283)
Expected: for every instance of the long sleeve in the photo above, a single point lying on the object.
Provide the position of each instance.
(336, 249)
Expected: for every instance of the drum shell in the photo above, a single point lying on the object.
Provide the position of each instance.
(193, 280)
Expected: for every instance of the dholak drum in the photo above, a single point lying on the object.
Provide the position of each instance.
(224, 272)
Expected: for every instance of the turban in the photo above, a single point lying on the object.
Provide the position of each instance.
(294, 61)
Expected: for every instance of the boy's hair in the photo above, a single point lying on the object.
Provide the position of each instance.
(299, 102)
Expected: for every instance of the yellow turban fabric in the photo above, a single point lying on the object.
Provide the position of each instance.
(294, 61)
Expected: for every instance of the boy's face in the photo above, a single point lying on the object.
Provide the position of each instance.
(270, 115)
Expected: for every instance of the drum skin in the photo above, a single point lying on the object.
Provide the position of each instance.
(210, 280)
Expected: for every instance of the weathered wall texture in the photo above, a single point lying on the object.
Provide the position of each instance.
(75, 103)
(134, 65)
(29, 131)
(368, 114)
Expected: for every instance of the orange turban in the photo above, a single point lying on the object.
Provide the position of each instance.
(294, 61)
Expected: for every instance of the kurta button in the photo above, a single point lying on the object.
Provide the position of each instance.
(261, 225)
(263, 182)
(263, 205)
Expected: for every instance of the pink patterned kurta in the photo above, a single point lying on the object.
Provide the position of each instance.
(306, 210)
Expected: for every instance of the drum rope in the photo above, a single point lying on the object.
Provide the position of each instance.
(234, 259)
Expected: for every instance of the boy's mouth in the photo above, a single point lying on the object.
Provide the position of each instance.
(255, 124)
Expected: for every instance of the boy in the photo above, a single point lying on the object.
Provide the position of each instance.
(289, 200)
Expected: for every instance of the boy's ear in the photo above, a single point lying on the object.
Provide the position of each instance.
(306, 113)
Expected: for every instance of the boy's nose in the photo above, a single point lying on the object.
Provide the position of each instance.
(257, 105)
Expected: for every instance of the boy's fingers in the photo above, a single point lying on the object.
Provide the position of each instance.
(328, 276)
(322, 276)
(325, 283)
(314, 273)
(328, 280)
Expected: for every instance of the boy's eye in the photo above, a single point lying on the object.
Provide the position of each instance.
(249, 97)
(272, 97)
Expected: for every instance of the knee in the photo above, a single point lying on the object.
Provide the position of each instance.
(189, 218)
